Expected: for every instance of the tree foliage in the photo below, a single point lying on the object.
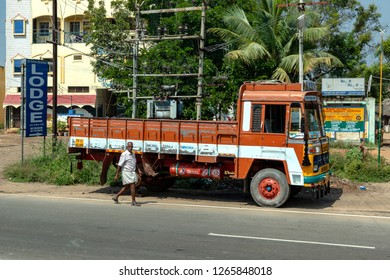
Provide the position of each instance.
(273, 37)
(247, 40)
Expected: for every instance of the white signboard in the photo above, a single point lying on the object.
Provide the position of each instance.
(343, 86)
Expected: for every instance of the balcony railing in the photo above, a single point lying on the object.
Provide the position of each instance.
(74, 37)
(42, 37)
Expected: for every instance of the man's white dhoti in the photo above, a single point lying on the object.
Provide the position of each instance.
(129, 178)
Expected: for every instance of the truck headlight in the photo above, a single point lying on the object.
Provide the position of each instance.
(314, 149)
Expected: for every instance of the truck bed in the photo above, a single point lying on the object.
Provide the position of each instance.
(200, 138)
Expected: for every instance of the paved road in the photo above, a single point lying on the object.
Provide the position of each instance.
(59, 228)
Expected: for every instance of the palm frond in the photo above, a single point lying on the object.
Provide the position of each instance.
(314, 34)
(290, 63)
(225, 34)
(281, 75)
(249, 53)
(235, 19)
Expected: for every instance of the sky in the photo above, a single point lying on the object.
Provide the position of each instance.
(2, 32)
(383, 7)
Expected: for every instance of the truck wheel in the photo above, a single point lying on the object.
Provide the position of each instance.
(159, 183)
(269, 188)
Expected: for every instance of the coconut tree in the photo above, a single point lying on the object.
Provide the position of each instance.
(273, 37)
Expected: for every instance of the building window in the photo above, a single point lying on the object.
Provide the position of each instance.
(17, 66)
(78, 89)
(77, 57)
(44, 29)
(75, 27)
(75, 35)
(19, 27)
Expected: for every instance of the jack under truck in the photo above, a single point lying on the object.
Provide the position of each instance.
(277, 144)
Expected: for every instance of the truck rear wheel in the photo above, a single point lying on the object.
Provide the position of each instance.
(159, 183)
(269, 188)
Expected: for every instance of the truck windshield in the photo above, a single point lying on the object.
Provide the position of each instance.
(313, 121)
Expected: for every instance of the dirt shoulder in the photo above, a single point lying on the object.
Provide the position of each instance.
(345, 196)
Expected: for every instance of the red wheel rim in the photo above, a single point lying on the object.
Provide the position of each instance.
(269, 188)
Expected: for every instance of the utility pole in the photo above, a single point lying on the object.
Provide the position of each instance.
(301, 25)
(380, 101)
(135, 60)
(139, 37)
(55, 41)
(201, 62)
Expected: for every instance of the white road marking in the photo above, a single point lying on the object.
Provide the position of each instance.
(275, 210)
(292, 241)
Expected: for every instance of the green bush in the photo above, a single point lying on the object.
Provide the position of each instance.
(342, 145)
(54, 167)
(356, 167)
(354, 154)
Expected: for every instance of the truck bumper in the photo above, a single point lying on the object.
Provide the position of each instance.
(317, 179)
(319, 184)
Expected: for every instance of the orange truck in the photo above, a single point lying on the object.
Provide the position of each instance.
(277, 144)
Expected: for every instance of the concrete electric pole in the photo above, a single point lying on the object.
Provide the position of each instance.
(301, 26)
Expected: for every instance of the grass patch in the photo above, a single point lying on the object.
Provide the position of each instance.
(54, 167)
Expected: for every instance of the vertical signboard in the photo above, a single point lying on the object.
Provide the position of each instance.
(35, 96)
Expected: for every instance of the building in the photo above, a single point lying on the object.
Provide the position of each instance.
(29, 36)
(2, 95)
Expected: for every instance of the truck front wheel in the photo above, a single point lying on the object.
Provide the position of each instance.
(269, 188)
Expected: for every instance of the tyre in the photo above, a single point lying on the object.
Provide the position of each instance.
(159, 183)
(269, 188)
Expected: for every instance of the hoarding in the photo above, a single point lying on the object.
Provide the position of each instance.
(344, 119)
(343, 87)
(35, 97)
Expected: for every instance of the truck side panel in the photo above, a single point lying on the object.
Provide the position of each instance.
(203, 139)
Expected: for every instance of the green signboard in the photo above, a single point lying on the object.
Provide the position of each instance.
(340, 126)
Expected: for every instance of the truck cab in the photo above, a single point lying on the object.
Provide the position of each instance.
(282, 135)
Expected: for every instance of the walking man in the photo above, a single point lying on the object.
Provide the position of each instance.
(128, 165)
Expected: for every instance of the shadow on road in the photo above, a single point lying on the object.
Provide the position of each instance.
(304, 200)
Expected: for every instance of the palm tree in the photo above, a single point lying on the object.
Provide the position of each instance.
(273, 36)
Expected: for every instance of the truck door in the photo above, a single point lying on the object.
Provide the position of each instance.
(274, 125)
